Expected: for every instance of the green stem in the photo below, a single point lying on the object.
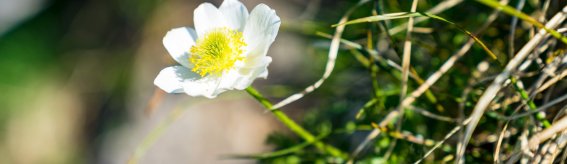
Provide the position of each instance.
(513, 12)
(524, 95)
(297, 129)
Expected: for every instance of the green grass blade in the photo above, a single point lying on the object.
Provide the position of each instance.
(282, 152)
(513, 12)
(377, 18)
(414, 14)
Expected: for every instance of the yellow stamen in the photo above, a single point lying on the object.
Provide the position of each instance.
(217, 51)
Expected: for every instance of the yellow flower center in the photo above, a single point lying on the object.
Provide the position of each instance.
(217, 51)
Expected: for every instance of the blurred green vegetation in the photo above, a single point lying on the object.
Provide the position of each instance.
(86, 45)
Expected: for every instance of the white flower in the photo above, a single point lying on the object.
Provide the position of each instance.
(226, 51)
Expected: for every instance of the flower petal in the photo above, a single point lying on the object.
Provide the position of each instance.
(243, 77)
(207, 17)
(235, 14)
(262, 70)
(258, 69)
(233, 79)
(261, 30)
(207, 86)
(171, 79)
(178, 41)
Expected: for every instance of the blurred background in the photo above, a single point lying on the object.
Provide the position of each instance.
(76, 83)
(76, 80)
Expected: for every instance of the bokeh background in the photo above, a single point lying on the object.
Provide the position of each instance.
(76, 83)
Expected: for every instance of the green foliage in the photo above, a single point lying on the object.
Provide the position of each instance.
(363, 90)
